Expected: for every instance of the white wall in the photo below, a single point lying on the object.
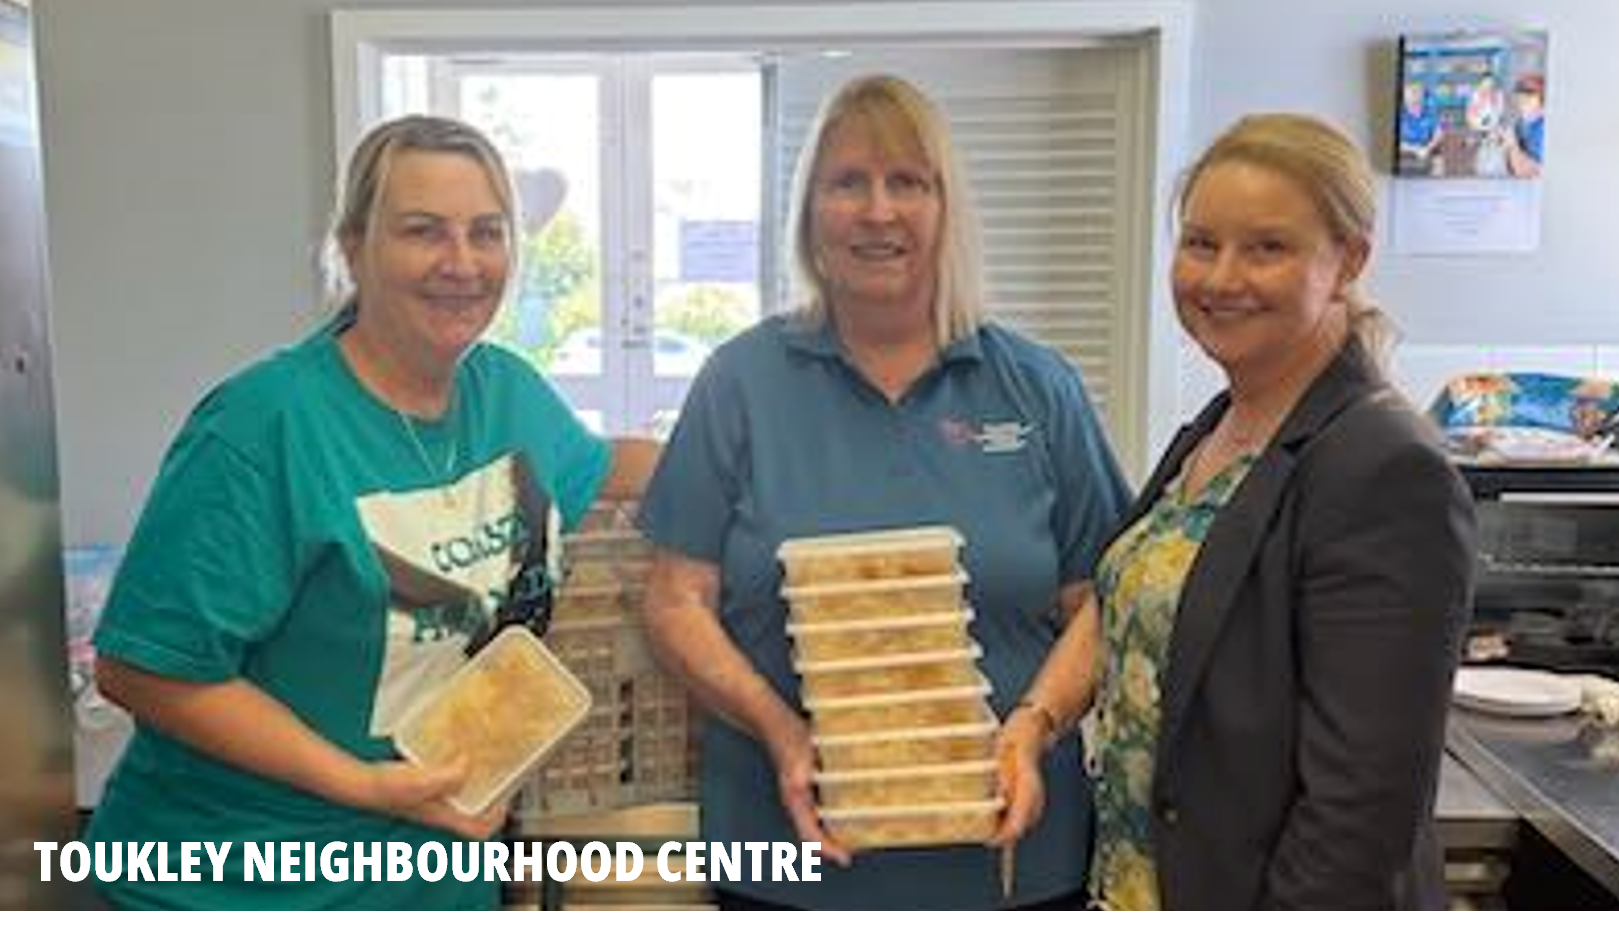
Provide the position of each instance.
(1557, 308)
(188, 167)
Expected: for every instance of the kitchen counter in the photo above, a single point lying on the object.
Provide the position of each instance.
(1469, 814)
(1480, 834)
(1561, 775)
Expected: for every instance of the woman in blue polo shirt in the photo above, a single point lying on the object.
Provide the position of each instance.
(883, 401)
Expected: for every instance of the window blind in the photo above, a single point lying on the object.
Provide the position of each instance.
(1049, 160)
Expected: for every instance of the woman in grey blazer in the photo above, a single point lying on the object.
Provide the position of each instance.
(1282, 611)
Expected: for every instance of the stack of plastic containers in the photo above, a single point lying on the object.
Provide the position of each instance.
(902, 727)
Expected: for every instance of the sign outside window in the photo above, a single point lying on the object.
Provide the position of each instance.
(720, 251)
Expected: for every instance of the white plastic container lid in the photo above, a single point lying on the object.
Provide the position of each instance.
(901, 697)
(952, 731)
(891, 774)
(881, 586)
(505, 710)
(880, 542)
(920, 621)
(964, 808)
(972, 652)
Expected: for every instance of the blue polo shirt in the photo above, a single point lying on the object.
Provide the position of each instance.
(1418, 129)
(1532, 137)
(781, 436)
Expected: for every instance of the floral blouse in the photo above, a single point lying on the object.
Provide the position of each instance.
(1139, 583)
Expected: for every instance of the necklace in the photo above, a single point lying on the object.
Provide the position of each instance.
(447, 488)
(1223, 446)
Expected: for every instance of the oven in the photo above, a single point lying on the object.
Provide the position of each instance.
(1548, 567)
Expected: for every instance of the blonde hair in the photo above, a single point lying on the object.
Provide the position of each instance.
(901, 122)
(359, 192)
(1335, 174)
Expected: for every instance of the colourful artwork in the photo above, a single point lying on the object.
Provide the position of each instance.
(1545, 417)
(1471, 105)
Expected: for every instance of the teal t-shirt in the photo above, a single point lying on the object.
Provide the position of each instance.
(303, 536)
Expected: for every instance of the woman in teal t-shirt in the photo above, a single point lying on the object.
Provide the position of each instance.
(329, 532)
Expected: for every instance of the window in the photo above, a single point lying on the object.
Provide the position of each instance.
(1115, 321)
(641, 175)
(673, 354)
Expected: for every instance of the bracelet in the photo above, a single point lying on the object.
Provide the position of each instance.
(1053, 725)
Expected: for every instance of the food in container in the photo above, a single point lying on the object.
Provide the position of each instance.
(912, 826)
(935, 783)
(867, 676)
(903, 635)
(902, 748)
(872, 600)
(502, 713)
(867, 556)
(906, 710)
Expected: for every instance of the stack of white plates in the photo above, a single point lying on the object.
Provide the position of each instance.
(1516, 692)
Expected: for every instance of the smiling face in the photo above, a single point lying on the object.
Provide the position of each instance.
(1528, 101)
(875, 227)
(1414, 98)
(1258, 276)
(432, 264)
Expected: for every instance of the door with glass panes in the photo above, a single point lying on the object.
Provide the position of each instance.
(641, 178)
(670, 175)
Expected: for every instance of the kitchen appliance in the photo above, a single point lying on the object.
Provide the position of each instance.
(36, 726)
(1548, 566)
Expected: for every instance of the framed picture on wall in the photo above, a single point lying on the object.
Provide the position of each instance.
(1471, 105)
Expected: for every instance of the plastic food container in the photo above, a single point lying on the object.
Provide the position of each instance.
(902, 636)
(868, 556)
(912, 826)
(866, 676)
(958, 782)
(503, 712)
(904, 748)
(872, 600)
(909, 710)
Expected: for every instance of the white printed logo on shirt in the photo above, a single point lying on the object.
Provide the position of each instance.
(451, 554)
(991, 438)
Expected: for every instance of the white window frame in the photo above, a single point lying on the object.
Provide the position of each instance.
(628, 391)
(1148, 400)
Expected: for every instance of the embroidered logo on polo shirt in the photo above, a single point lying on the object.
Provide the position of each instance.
(992, 438)
(955, 431)
(996, 438)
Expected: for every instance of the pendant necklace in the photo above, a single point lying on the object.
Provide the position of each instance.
(447, 488)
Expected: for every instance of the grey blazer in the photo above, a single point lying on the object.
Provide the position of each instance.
(1310, 665)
